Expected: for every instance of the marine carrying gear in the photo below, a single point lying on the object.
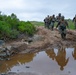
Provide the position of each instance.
(62, 27)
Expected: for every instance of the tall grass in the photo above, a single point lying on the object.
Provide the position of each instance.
(71, 24)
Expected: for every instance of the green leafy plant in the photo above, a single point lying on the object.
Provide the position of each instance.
(27, 28)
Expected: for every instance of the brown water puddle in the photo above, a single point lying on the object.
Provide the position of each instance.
(52, 61)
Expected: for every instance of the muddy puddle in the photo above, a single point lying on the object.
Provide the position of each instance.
(50, 62)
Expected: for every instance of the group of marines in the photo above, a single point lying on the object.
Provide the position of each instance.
(61, 22)
(50, 20)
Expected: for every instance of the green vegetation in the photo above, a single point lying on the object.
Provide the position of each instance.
(11, 27)
(71, 24)
(27, 28)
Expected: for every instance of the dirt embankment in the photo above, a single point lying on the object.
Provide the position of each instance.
(53, 39)
(49, 39)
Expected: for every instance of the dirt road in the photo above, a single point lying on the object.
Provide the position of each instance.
(53, 39)
(49, 39)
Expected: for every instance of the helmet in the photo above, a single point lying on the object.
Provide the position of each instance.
(62, 17)
(59, 14)
(53, 15)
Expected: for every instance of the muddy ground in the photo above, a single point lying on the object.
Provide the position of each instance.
(53, 39)
(49, 39)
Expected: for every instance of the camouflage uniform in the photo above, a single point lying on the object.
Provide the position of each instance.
(52, 21)
(62, 26)
(46, 21)
(74, 20)
(58, 18)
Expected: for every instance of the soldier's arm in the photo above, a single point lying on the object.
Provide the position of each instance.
(67, 24)
(73, 19)
(44, 20)
(56, 18)
(58, 24)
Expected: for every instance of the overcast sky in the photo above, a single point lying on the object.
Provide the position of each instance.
(37, 10)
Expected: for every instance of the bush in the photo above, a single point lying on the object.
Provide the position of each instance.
(6, 32)
(27, 28)
(13, 34)
(4, 29)
(11, 27)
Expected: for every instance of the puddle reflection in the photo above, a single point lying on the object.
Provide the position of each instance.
(61, 58)
(51, 53)
(59, 61)
(15, 61)
(74, 53)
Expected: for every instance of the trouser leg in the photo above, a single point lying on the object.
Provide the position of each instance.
(75, 25)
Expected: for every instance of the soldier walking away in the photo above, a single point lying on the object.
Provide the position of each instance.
(74, 20)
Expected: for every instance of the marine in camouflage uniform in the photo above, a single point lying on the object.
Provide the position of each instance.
(52, 21)
(74, 20)
(62, 24)
(58, 18)
(47, 22)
